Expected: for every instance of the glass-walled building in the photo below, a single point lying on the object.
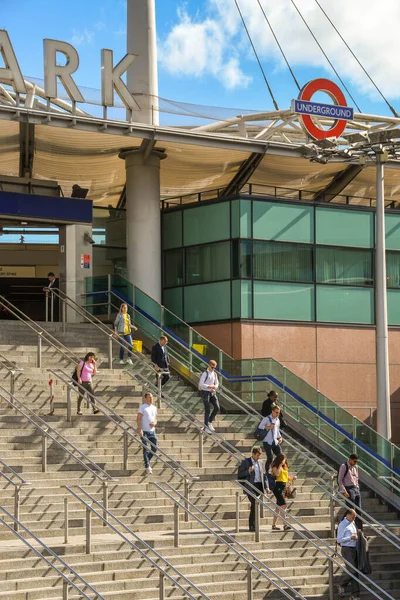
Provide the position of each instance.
(258, 259)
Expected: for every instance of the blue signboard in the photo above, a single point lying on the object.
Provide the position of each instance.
(52, 208)
(317, 109)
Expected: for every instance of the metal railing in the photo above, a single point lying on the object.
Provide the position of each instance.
(314, 540)
(233, 544)
(89, 509)
(17, 489)
(67, 582)
(11, 368)
(44, 428)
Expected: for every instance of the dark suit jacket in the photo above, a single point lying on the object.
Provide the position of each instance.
(158, 357)
(243, 473)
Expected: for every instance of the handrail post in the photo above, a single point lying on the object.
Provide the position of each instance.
(125, 459)
(51, 306)
(159, 379)
(69, 404)
(332, 508)
(63, 314)
(44, 452)
(249, 582)
(176, 525)
(66, 521)
(47, 306)
(186, 494)
(17, 499)
(257, 527)
(162, 585)
(109, 296)
(261, 508)
(354, 431)
(201, 452)
(12, 386)
(51, 386)
(105, 503)
(190, 349)
(110, 351)
(65, 590)
(39, 351)
(88, 530)
(331, 587)
(237, 528)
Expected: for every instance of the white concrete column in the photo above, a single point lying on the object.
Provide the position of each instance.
(382, 349)
(143, 219)
(142, 76)
(73, 267)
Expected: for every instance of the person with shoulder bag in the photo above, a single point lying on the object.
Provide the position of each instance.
(208, 386)
(84, 373)
(280, 470)
(123, 330)
(269, 432)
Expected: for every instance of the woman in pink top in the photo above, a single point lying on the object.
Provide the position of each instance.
(85, 371)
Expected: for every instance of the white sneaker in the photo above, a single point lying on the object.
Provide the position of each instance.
(149, 470)
(211, 427)
(129, 361)
(121, 362)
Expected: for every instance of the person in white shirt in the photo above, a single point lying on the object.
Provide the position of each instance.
(146, 421)
(347, 536)
(208, 386)
(273, 440)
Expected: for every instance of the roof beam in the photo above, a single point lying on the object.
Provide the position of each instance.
(338, 183)
(26, 149)
(243, 175)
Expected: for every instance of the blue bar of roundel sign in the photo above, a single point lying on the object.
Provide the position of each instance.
(318, 109)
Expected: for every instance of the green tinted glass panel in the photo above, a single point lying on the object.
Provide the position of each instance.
(285, 301)
(345, 304)
(245, 218)
(208, 263)
(207, 223)
(393, 269)
(235, 219)
(283, 222)
(236, 299)
(282, 262)
(392, 224)
(209, 302)
(344, 227)
(393, 306)
(172, 230)
(344, 266)
(247, 299)
(173, 267)
(173, 300)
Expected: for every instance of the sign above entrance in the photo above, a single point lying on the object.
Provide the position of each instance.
(17, 271)
(307, 109)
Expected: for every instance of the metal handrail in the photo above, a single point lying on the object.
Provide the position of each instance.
(391, 480)
(360, 512)
(17, 475)
(44, 430)
(168, 565)
(116, 419)
(233, 544)
(10, 366)
(67, 581)
(313, 535)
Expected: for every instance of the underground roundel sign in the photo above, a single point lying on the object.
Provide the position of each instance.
(339, 111)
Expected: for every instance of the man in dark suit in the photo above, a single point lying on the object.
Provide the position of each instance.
(160, 359)
(252, 470)
(52, 299)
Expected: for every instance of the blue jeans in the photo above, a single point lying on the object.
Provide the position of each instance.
(150, 441)
(269, 449)
(127, 342)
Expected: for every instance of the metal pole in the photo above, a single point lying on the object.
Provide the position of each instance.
(51, 306)
(63, 315)
(332, 515)
(162, 585)
(237, 529)
(249, 582)
(69, 405)
(65, 589)
(110, 351)
(39, 351)
(17, 499)
(66, 522)
(47, 306)
(176, 525)
(51, 386)
(125, 465)
(12, 384)
(105, 502)
(88, 530)
(109, 296)
(159, 379)
(190, 349)
(44, 453)
(331, 588)
(201, 453)
(382, 349)
(186, 494)
(257, 532)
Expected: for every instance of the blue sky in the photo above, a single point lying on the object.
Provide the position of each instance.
(204, 55)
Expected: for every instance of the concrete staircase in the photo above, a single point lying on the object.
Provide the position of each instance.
(113, 567)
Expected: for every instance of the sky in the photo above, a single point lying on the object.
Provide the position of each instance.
(205, 56)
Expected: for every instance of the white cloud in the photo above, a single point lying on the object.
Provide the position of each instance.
(82, 37)
(217, 44)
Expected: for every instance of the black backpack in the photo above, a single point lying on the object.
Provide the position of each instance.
(346, 471)
(74, 375)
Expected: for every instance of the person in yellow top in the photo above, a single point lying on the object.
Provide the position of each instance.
(123, 329)
(280, 470)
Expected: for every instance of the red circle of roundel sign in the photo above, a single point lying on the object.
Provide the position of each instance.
(338, 98)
